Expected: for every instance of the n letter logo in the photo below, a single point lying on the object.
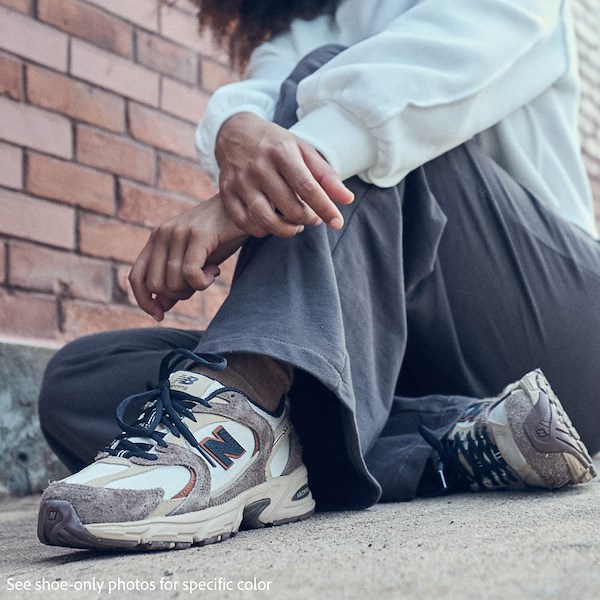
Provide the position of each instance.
(222, 447)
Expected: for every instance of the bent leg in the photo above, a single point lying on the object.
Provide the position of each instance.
(513, 288)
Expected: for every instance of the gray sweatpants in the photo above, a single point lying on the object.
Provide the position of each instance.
(442, 289)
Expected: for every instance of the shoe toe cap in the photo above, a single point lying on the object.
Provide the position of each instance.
(103, 505)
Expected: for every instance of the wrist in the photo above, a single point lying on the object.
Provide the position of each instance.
(224, 224)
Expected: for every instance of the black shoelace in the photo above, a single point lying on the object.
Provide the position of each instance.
(478, 451)
(163, 406)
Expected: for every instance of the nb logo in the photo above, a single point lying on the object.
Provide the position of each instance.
(223, 447)
(185, 380)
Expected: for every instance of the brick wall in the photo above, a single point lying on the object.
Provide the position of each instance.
(98, 104)
(98, 101)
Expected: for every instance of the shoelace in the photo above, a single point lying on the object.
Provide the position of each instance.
(163, 406)
(477, 450)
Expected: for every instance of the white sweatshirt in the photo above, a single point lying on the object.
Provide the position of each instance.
(420, 77)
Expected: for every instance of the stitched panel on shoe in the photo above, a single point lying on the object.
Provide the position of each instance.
(198, 497)
(95, 471)
(279, 457)
(171, 479)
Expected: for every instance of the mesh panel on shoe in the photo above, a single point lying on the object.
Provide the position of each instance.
(171, 479)
(95, 471)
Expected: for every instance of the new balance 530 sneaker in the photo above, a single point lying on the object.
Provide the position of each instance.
(522, 438)
(201, 461)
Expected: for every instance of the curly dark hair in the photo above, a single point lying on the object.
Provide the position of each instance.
(241, 25)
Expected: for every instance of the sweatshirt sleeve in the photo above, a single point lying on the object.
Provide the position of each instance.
(440, 73)
(269, 65)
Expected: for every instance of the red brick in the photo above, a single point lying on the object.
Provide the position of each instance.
(175, 320)
(191, 308)
(116, 154)
(141, 12)
(187, 178)
(182, 100)
(215, 75)
(37, 220)
(11, 77)
(30, 315)
(63, 273)
(213, 296)
(71, 183)
(124, 288)
(35, 128)
(114, 73)
(82, 318)
(182, 27)
(23, 6)
(108, 238)
(161, 131)
(164, 56)
(147, 206)
(79, 100)
(89, 23)
(11, 166)
(20, 34)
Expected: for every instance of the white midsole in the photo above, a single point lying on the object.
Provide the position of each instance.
(217, 520)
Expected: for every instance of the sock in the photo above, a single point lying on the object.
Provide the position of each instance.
(263, 379)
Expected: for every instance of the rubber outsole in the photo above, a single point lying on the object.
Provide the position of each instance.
(59, 525)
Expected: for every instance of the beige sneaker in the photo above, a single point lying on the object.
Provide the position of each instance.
(521, 438)
(202, 461)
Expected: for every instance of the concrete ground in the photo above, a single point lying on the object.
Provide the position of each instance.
(496, 546)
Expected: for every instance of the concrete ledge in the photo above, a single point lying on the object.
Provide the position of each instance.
(27, 461)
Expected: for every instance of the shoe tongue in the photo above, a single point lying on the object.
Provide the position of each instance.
(189, 382)
(193, 384)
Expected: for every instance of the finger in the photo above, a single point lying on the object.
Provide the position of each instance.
(174, 279)
(263, 213)
(157, 261)
(156, 275)
(196, 272)
(137, 280)
(326, 175)
(166, 303)
(287, 202)
(242, 218)
(302, 182)
(212, 270)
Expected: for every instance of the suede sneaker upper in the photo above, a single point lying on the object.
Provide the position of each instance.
(201, 460)
(521, 438)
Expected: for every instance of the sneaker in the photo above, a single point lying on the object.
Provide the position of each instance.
(201, 461)
(523, 438)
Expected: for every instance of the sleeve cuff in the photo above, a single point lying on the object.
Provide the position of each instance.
(344, 142)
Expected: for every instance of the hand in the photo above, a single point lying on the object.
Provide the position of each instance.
(182, 255)
(273, 182)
